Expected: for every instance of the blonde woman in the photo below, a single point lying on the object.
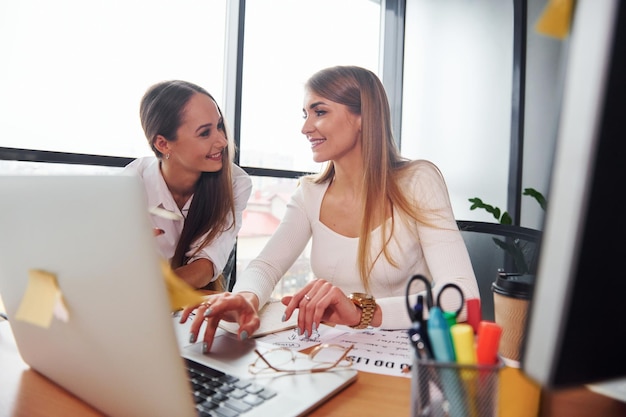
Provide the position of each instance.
(374, 217)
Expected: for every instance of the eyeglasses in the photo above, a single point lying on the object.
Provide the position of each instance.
(322, 358)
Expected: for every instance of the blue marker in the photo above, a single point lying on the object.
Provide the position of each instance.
(443, 351)
(439, 336)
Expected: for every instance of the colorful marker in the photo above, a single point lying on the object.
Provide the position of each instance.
(488, 343)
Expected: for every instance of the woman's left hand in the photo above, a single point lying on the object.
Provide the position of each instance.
(320, 301)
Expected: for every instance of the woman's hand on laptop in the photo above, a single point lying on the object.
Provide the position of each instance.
(234, 307)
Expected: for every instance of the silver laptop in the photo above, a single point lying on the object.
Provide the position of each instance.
(119, 350)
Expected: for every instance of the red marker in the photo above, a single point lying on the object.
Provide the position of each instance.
(488, 343)
(473, 313)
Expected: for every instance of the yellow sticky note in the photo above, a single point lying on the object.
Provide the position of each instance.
(181, 294)
(556, 18)
(519, 396)
(42, 300)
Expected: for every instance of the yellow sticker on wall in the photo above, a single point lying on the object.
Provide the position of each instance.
(42, 300)
(556, 18)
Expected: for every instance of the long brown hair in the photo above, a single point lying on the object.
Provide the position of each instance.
(161, 112)
(362, 92)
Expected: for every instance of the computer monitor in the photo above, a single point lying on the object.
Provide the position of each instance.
(576, 328)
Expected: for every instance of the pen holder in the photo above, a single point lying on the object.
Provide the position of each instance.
(444, 389)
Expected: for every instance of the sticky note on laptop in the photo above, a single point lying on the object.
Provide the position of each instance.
(180, 293)
(42, 300)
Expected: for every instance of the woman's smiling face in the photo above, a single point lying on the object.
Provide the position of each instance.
(201, 138)
(330, 127)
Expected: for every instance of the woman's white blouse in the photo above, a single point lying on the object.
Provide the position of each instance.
(436, 251)
(158, 195)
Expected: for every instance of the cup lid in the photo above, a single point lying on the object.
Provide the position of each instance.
(514, 285)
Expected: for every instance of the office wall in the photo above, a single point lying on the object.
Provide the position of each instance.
(457, 99)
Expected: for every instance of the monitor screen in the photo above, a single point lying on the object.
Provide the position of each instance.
(576, 327)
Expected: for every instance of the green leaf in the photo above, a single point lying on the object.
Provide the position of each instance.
(505, 217)
(478, 203)
(537, 196)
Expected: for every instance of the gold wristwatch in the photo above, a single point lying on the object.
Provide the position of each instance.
(367, 304)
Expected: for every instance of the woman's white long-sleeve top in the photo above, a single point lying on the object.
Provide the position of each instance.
(158, 195)
(436, 251)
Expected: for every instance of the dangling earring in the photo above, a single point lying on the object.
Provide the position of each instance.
(167, 156)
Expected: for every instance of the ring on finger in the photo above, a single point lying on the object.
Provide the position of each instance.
(306, 296)
(208, 310)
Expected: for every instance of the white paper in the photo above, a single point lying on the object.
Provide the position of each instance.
(271, 320)
(386, 352)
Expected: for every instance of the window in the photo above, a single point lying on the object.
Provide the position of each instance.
(73, 72)
(285, 42)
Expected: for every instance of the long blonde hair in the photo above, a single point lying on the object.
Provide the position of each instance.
(362, 92)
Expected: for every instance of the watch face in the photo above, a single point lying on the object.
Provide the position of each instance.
(361, 295)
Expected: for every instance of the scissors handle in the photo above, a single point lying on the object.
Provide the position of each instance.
(429, 294)
(457, 289)
(418, 333)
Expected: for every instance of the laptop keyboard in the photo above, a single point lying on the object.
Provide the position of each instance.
(217, 394)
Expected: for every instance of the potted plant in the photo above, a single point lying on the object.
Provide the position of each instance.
(517, 249)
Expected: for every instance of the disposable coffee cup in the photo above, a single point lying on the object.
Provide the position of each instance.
(511, 295)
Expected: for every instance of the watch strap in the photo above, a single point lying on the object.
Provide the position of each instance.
(367, 304)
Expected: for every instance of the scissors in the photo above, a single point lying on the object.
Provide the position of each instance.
(416, 312)
(418, 332)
